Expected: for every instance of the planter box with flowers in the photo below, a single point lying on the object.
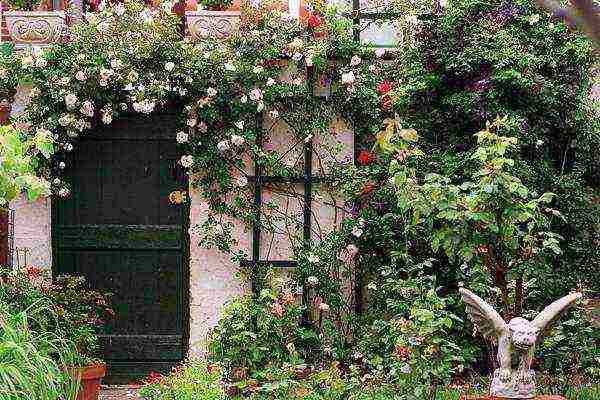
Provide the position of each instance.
(30, 24)
(214, 21)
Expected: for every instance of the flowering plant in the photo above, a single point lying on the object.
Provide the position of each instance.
(74, 311)
(216, 5)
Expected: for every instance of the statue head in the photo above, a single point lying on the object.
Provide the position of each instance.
(522, 332)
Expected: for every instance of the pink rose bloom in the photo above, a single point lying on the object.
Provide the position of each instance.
(70, 100)
(87, 108)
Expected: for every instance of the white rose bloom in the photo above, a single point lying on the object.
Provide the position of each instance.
(230, 67)
(182, 137)
(237, 140)
(70, 101)
(212, 92)
(380, 52)
(244, 99)
(119, 10)
(270, 82)
(107, 118)
(169, 66)
(223, 145)
(313, 258)
(242, 181)
(348, 78)
(240, 125)
(187, 161)
(258, 69)
(191, 122)
(312, 281)
(274, 114)
(356, 231)
(80, 76)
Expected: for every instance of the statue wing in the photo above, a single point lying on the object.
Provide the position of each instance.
(486, 319)
(546, 318)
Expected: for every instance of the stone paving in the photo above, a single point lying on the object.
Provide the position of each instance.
(119, 393)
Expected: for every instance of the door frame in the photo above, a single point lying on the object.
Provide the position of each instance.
(123, 372)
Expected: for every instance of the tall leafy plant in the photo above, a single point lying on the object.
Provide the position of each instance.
(33, 365)
(491, 221)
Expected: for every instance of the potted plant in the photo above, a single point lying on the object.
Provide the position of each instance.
(76, 312)
(83, 313)
(29, 23)
(214, 20)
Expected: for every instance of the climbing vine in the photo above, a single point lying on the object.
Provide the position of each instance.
(132, 59)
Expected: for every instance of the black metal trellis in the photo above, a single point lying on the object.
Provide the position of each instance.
(259, 180)
(11, 237)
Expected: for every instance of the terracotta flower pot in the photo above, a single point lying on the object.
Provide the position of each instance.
(91, 378)
(5, 109)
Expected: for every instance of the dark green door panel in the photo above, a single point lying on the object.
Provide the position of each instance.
(119, 229)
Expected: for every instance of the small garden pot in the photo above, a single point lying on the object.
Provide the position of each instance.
(5, 109)
(35, 28)
(218, 24)
(91, 378)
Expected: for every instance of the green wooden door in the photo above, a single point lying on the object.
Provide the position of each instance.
(121, 231)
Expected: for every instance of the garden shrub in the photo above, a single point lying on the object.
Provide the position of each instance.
(67, 306)
(256, 332)
(193, 380)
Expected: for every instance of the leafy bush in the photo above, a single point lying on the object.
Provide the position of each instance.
(69, 307)
(193, 380)
(257, 331)
(411, 344)
(33, 365)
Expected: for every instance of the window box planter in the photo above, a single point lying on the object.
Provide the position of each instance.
(35, 28)
(218, 24)
(91, 378)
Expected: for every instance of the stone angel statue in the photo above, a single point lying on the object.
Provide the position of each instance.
(516, 342)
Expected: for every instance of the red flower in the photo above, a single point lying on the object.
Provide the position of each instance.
(384, 87)
(314, 21)
(154, 377)
(364, 157)
(33, 272)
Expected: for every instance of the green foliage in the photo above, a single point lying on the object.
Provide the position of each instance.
(68, 308)
(17, 164)
(32, 364)
(410, 344)
(23, 5)
(193, 380)
(256, 331)
(217, 5)
(9, 72)
(491, 221)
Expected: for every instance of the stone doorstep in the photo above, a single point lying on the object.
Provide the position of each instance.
(127, 392)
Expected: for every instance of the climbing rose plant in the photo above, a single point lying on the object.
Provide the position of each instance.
(131, 59)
